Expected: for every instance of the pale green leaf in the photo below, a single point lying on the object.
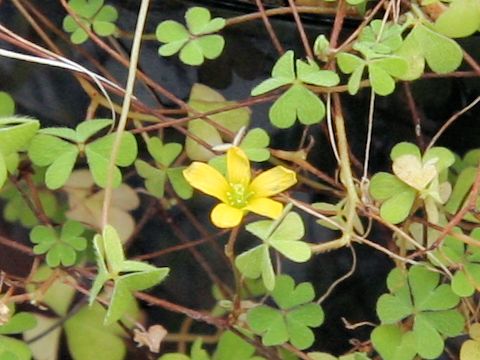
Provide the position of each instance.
(423, 329)
(15, 133)
(391, 308)
(348, 63)
(59, 171)
(269, 85)
(461, 19)
(297, 102)
(88, 338)
(45, 149)
(392, 343)
(442, 54)
(7, 105)
(381, 82)
(211, 45)
(354, 80)
(411, 51)
(284, 67)
(192, 53)
(170, 31)
(397, 208)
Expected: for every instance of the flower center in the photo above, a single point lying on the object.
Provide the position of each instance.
(238, 195)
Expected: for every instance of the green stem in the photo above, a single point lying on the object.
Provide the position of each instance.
(230, 253)
(346, 177)
(132, 70)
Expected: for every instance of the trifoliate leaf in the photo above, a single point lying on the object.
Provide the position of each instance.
(283, 236)
(196, 43)
(293, 322)
(60, 248)
(127, 275)
(85, 204)
(93, 15)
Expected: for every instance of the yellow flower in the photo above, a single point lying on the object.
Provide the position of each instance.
(237, 192)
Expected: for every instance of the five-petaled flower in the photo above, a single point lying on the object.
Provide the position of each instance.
(237, 192)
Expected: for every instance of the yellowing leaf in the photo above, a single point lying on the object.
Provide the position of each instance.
(152, 337)
(85, 205)
(410, 170)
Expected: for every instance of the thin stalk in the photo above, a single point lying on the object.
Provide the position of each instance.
(142, 15)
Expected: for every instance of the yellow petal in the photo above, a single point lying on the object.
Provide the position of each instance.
(238, 167)
(207, 179)
(266, 207)
(272, 182)
(226, 216)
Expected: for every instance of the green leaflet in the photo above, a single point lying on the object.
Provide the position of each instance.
(417, 294)
(283, 235)
(61, 248)
(196, 42)
(128, 276)
(298, 102)
(156, 176)
(59, 148)
(293, 322)
(15, 133)
(414, 176)
(93, 15)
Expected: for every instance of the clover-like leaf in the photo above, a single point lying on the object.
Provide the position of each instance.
(381, 71)
(59, 148)
(92, 14)
(128, 275)
(414, 175)
(442, 54)
(382, 38)
(429, 303)
(293, 322)
(298, 101)
(195, 44)
(396, 196)
(156, 176)
(466, 261)
(85, 204)
(204, 99)
(61, 248)
(283, 235)
(254, 145)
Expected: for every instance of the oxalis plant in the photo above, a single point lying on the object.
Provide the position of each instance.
(210, 173)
